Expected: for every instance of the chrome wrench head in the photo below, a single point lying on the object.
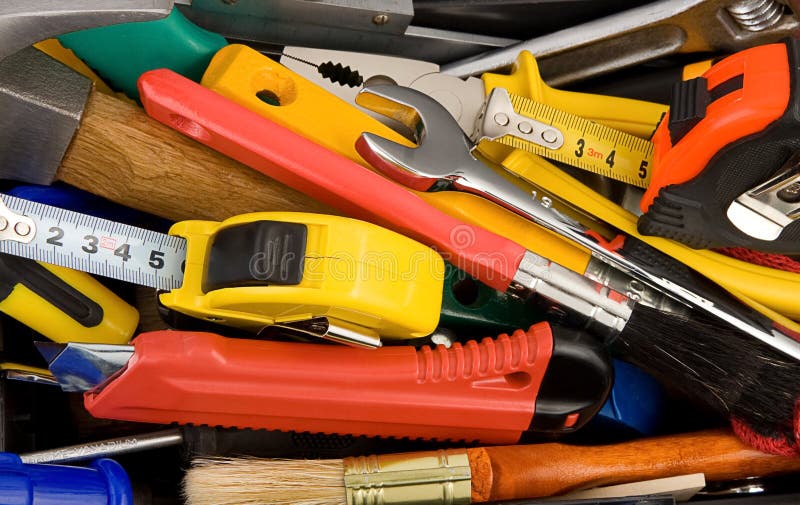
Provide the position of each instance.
(442, 157)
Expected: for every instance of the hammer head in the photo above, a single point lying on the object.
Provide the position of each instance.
(25, 23)
(442, 156)
(41, 102)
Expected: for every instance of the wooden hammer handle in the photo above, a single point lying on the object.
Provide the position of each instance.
(514, 472)
(122, 154)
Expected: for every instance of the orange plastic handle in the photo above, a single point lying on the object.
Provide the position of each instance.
(762, 98)
(479, 391)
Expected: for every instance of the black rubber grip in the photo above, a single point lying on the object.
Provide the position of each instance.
(45, 284)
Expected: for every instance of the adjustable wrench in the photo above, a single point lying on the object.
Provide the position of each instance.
(644, 33)
(443, 160)
(25, 23)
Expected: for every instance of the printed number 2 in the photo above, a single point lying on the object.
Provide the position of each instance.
(56, 238)
(579, 150)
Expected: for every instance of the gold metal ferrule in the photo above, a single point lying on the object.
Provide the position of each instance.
(417, 478)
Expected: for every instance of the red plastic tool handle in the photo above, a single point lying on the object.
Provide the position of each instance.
(479, 391)
(326, 176)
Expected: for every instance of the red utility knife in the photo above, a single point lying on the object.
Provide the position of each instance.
(545, 380)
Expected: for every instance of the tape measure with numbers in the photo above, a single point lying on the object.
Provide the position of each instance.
(98, 246)
(535, 127)
(301, 272)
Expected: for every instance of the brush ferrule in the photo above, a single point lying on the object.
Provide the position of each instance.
(431, 477)
(632, 288)
(597, 307)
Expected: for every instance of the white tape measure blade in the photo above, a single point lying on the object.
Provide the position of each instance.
(98, 246)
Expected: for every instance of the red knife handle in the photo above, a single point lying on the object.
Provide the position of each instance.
(324, 175)
(483, 391)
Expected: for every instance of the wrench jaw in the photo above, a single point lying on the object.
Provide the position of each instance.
(442, 157)
(386, 156)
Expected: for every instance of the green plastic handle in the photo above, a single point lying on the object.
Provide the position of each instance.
(121, 53)
(474, 310)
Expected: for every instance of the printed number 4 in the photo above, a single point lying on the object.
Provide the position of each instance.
(123, 252)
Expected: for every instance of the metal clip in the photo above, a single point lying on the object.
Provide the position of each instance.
(498, 119)
(330, 329)
(15, 227)
(594, 304)
(764, 211)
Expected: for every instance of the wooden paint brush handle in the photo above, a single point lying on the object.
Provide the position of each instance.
(123, 155)
(532, 471)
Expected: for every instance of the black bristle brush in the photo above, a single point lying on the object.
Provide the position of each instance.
(754, 384)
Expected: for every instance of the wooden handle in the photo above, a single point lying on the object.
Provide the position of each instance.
(515, 472)
(125, 156)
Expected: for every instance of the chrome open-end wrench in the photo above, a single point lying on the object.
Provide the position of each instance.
(25, 23)
(443, 160)
(644, 33)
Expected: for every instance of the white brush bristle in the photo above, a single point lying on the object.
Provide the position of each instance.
(252, 481)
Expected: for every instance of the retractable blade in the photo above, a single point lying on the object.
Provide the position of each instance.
(98, 246)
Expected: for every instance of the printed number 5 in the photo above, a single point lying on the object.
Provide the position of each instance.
(156, 259)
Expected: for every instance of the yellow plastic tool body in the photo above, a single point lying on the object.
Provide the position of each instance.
(116, 325)
(240, 74)
(353, 271)
(55, 50)
(586, 144)
(765, 289)
(10, 365)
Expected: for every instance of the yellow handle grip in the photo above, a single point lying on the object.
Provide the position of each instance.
(64, 305)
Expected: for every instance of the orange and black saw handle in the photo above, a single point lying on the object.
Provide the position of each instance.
(490, 391)
(727, 132)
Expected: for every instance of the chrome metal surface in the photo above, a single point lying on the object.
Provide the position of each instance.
(764, 211)
(637, 35)
(443, 161)
(330, 329)
(25, 23)
(590, 301)
(498, 119)
(14, 226)
(105, 448)
(463, 98)
(338, 24)
(28, 376)
(82, 367)
(42, 103)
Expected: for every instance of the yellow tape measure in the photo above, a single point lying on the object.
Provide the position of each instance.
(523, 124)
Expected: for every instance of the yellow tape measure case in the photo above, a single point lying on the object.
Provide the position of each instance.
(261, 269)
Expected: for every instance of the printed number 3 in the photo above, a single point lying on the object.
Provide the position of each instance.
(579, 150)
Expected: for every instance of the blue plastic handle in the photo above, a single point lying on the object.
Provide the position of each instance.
(104, 482)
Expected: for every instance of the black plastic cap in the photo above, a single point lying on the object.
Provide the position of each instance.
(261, 253)
(688, 106)
(576, 385)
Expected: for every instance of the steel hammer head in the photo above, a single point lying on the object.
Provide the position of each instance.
(25, 23)
(442, 155)
(41, 103)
